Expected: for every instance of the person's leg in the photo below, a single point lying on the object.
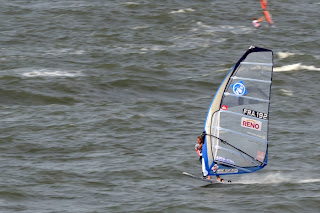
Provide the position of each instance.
(219, 179)
(204, 171)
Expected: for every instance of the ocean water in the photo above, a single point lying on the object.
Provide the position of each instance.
(101, 103)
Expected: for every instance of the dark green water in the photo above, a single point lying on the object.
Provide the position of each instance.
(101, 103)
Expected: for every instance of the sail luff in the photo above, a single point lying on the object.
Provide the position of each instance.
(215, 106)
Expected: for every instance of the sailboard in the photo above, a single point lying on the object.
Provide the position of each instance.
(237, 123)
(204, 179)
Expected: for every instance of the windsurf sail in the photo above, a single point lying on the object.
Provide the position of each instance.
(264, 6)
(236, 127)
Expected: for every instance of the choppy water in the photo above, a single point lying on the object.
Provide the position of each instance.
(101, 103)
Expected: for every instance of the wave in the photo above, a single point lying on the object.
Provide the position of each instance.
(35, 98)
(283, 55)
(275, 178)
(286, 92)
(129, 3)
(222, 28)
(309, 181)
(182, 10)
(62, 52)
(140, 27)
(295, 67)
(51, 73)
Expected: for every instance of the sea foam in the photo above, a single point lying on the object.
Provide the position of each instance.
(295, 67)
(51, 73)
(183, 10)
(283, 55)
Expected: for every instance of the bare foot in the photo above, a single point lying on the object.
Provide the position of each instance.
(219, 179)
(209, 177)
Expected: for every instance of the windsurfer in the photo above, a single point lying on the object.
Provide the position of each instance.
(256, 22)
(264, 5)
(198, 148)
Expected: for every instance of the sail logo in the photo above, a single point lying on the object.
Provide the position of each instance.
(215, 167)
(224, 107)
(251, 124)
(239, 89)
(224, 160)
(256, 114)
(260, 156)
(223, 171)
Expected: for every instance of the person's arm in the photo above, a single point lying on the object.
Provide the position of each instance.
(197, 149)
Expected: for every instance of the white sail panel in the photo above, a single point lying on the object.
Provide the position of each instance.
(215, 106)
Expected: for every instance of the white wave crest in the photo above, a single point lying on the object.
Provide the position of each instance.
(129, 3)
(295, 67)
(286, 92)
(267, 179)
(140, 27)
(309, 181)
(283, 55)
(222, 28)
(274, 178)
(183, 10)
(48, 73)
